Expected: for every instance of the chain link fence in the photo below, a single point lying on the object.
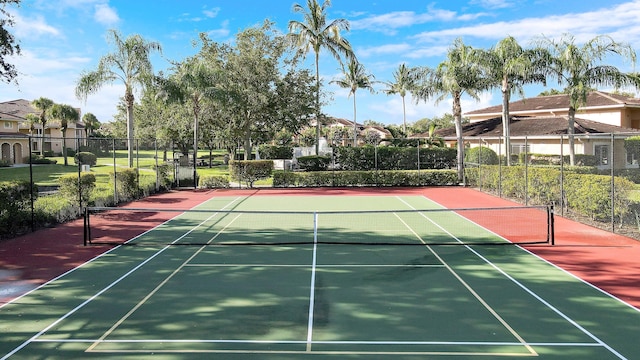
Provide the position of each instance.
(600, 188)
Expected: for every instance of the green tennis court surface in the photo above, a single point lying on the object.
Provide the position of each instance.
(306, 296)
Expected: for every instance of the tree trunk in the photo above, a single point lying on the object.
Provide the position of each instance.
(506, 132)
(457, 117)
(571, 132)
(128, 98)
(64, 146)
(355, 128)
(317, 104)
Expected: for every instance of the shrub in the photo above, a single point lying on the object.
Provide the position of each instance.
(70, 190)
(250, 170)
(86, 158)
(15, 207)
(214, 182)
(314, 162)
(126, 183)
(481, 155)
(394, 158)
(39, 159)
(164, 172)
(5, 163)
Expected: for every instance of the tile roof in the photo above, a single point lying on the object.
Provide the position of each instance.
(559, 102)
(15, 109)
(533, 126)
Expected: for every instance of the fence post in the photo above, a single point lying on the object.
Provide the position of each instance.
(115, 173)
(613, 183)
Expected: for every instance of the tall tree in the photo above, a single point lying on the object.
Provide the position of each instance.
(64, 114)
(403, 82)
(315, 33)
(459, 74)
(355, 77)
(43, 105)
(129, 63)
(581, 68)
(192, 84)
(510, 67)
(8, 43)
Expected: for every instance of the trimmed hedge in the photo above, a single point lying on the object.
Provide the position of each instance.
(214, 182)
(250, 171)
(314, 162)
(365, 178)
(86, 158)
(126, 183)
(364, 158)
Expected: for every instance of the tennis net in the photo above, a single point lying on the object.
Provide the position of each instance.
(463, 226)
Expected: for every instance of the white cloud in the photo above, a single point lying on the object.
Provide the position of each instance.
(388, 23)
(33, 27)
(583, 25)
(106, 15)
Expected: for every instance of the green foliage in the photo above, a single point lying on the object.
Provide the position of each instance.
(39, 159)
(480, 155)
(69, 187)
(275, 152)
(365, 178)
(86, 158)
(214, 182)
(5, 163)
(126, 183)
(15, 205)
(250, 170)
(165, 175)
(314, 162)
(394, 158)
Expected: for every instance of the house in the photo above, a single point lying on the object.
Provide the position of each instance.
(548, 135)
(364, 132)
(602, 107)
(16, 131)
(540, 126)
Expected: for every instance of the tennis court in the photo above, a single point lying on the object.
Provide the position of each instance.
(330, 277)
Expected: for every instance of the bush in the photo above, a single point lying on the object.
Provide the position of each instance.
(272, 152)
(86, 158)
(164, 172)
(314, 162)
(69, 187)
(250, 170)
(214, 182)
(5, 163)
(126, 183)
(15, 207)
(39, 159)
(481, 155)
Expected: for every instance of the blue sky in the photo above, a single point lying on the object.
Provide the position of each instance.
(61, 38)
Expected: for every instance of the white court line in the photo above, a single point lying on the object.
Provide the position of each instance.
(312, 294)
(84, 303)
(526, 289)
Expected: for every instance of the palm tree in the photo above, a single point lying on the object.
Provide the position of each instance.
(64, 114)
(193, 82)
(510, 67)
(580, 69)
(457, 75)
(130, 64)
(355, 77)
(91, 123)
(403, 81)
(43, 104)
(314, 33)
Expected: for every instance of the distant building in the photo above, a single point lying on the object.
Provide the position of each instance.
(16, 130)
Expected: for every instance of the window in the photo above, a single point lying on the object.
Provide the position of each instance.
(601, 153)
(8, 125)
(519, 148)
(631, 159)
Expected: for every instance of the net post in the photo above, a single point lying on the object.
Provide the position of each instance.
(552, 232)
(84, 228)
